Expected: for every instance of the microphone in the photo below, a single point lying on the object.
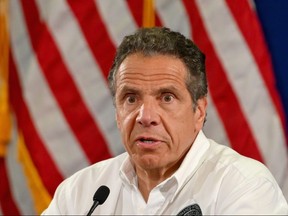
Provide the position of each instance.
(99, 197)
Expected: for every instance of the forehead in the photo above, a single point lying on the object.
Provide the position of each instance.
(156, 69)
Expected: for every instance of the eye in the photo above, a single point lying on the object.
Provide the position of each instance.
(131, 99)
(167, 98)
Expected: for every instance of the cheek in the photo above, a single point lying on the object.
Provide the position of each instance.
(175, 129)
(125, 123)
(185, 118)
(184, 126)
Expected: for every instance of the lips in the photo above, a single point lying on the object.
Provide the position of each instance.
(147, 139)
(147, 142)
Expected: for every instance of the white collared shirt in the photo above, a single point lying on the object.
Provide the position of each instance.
(212, 179)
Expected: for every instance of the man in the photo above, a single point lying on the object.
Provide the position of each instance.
(158, 83)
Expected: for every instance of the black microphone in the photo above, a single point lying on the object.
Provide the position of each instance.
(99, 197)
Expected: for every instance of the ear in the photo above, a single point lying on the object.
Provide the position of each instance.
(201, 112)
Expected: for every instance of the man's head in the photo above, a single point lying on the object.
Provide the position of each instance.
(159, 87)
(155, 41)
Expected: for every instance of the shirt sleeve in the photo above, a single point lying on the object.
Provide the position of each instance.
(53, 208)
(259, 194)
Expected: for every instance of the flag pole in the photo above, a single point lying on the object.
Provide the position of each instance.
(5, 118)
(148, 13)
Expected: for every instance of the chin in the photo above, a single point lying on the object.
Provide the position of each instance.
(149, 162)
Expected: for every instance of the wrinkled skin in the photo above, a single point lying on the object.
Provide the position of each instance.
(154, 113)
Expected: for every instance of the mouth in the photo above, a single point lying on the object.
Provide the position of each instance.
(147, 142)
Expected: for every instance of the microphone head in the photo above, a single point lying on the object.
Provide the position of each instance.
(101, 194)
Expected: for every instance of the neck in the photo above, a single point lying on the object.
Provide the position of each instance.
(149, 179)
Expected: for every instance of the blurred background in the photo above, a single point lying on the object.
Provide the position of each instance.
(56, 113)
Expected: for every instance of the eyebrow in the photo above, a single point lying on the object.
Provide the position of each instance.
(126, 89)
(168, 89)
(131, 89)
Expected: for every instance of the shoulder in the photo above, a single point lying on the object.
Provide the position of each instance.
(234, 170)
(217, 157)
(87, 180)
(74, 194)
(98, 171)
(224, 157)
(228, 168)
(244, 185)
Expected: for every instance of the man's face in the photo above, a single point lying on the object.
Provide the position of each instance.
(154, 111)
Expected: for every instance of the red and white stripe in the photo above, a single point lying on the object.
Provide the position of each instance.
(61, 52)
(246, 80)
(19, 199)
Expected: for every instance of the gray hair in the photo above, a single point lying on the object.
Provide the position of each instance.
(163, 41)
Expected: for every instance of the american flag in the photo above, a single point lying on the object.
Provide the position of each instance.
(62, 114)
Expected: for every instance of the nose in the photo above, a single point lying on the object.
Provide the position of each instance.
(148, 115)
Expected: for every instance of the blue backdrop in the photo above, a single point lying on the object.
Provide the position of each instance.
(273, 15)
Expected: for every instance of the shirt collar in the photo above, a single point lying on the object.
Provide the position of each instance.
(190, 164)
(127, 172)
(192, 161)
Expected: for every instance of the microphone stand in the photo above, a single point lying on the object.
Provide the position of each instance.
(95, 204)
